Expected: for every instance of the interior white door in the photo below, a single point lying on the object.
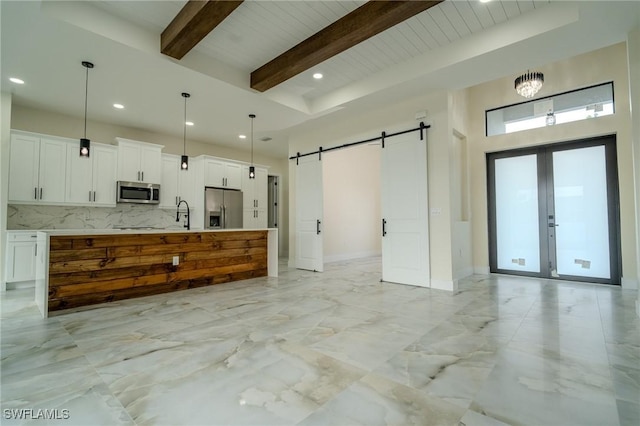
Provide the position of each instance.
(405, 226)
(309, 253)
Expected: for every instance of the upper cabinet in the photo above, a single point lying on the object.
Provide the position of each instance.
(139, 161)
(92, 181)
(177, 184)
(222, 174)
(37, 167)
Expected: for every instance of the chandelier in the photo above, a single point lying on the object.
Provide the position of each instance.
(528, 84)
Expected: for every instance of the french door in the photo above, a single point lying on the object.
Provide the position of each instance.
(553, 211)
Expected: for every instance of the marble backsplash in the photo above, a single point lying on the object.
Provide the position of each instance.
(70, 217)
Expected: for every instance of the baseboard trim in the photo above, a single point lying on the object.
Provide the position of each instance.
(481, 270)
(464, 273)
(447, 285)
(350, 256)
(629, 284)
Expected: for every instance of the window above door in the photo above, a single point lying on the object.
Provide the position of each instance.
(581, 104)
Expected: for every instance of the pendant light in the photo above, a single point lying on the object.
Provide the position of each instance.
(529, 83)
(184, 160)
(252, 170)
(85, 144)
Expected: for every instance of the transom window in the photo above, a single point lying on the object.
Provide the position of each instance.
(581, 104)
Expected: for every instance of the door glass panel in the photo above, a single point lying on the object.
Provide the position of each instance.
(517, 224)
(580, 194)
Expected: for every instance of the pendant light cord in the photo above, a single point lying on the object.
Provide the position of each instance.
(184, 134)
(86, 95)
(252, 139)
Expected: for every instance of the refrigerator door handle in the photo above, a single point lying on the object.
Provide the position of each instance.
(224, 215)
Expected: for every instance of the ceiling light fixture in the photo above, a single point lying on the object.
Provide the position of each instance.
(118, 106)
(242, 136)
(184, 160)
(85, 144)
(252, 169)
(16, 80)
(529, 83)
(317, 75)
(189, 123)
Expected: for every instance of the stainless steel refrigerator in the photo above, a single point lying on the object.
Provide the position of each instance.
(223, 208)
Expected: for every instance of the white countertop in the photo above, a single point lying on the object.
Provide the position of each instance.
(132, 231)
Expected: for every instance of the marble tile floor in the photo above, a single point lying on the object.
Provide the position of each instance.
(332, 348)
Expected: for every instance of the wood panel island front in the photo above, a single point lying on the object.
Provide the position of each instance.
(80, 269)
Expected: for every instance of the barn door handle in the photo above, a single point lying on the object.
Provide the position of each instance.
(318, 227)
(384, 227)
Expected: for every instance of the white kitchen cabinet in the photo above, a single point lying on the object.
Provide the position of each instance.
(169, 181)
(254, 196)
(21, 257)
(139, 161)
(37, 169)
(222, 174)
(92, 181)
(176, 184)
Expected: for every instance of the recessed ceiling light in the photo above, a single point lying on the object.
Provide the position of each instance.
(317, 76)
(242, 136)
(16, 80)
(189, 123)
(485, 1)
(118, 106)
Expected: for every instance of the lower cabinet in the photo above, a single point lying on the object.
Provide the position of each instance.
(254, 219)
(21, 257)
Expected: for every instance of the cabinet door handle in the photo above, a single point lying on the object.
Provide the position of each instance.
(143, 176)
(384, 227)
(41, 193)
(138, 178)
(94, 195)
(318, 227)
(89, 195)
(35, 193)
(36, 250)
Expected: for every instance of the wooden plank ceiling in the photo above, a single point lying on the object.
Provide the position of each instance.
(198, 18)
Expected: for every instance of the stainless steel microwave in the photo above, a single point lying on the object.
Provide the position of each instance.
(138, 192)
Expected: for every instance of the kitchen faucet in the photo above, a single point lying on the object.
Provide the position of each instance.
(188, 225)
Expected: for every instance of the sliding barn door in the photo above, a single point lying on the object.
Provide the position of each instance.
(405, 227)
(309, 254)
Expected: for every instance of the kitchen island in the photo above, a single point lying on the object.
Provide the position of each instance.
(77, 269)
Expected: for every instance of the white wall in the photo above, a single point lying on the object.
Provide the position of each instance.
(633, 58)
(607, 64)
(352, 216)
(5, 138)
(459, 185)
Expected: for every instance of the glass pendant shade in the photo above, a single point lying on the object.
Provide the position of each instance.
(529, 84)
(85, 147)
(252, 172)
